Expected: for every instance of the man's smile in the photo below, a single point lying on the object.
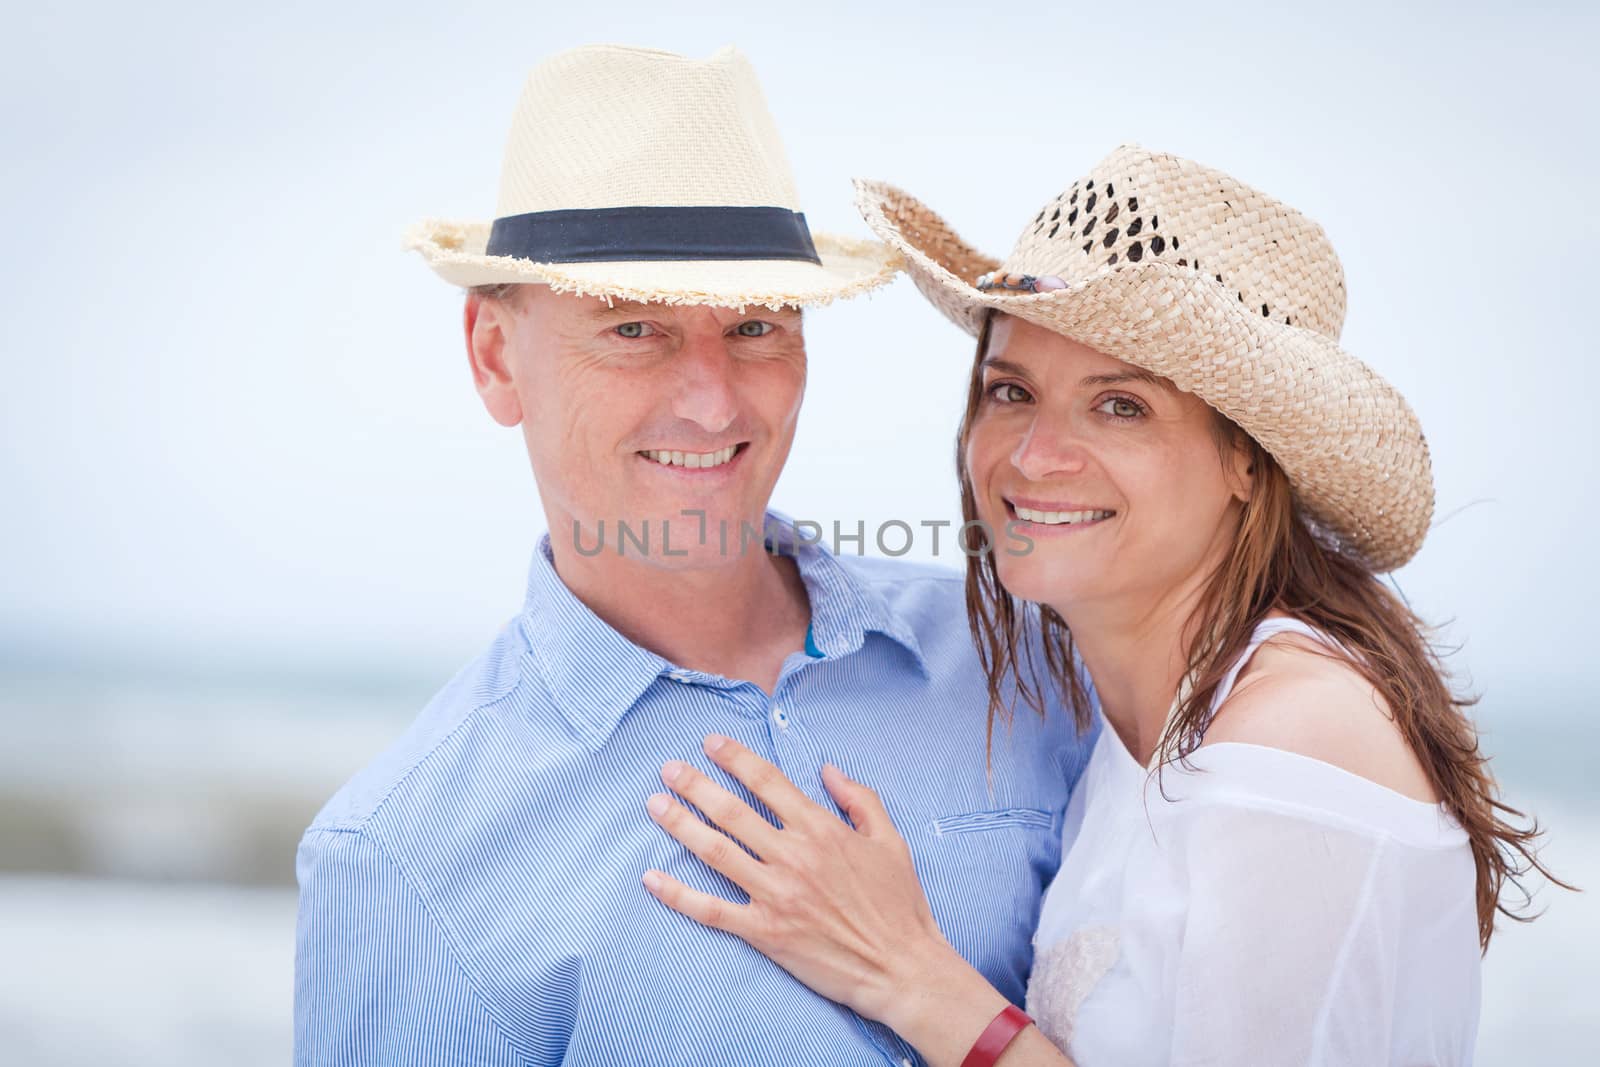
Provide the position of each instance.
(695, 461)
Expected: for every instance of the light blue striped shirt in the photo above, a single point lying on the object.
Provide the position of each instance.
(473, 895)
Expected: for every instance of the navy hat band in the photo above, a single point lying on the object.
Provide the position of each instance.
(622, 234)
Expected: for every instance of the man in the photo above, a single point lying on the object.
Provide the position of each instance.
(473, 895)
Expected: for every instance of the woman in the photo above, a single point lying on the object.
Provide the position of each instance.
(1286, 848)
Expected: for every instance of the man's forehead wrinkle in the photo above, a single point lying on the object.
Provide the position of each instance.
(636, 310)
(623, 309)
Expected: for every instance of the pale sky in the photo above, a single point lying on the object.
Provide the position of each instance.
(239, 429)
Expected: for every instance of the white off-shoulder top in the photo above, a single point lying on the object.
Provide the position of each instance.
(1269, 909)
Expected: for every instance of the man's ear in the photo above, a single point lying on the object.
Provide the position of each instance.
(488, 323)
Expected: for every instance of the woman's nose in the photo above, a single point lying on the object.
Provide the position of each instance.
(1050, 446)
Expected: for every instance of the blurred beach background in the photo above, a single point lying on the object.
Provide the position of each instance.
(255, 515)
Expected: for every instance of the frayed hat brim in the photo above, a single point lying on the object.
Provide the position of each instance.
(455, 252)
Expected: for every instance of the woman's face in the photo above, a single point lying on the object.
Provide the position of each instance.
(1113, 474)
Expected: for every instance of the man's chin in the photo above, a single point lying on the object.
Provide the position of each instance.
(681, 538)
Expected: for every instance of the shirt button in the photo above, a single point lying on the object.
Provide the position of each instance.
(678, 676)
(780, 718)
(906, 1063)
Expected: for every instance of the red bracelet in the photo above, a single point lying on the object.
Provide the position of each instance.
(996, 1037)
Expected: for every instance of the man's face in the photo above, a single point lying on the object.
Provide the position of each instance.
(637, 413)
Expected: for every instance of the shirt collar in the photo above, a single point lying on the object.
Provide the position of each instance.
(595, 674)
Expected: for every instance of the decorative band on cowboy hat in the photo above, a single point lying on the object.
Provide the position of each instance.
(1235, 297)
(643, 175)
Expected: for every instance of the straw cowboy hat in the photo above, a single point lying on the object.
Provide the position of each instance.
(644, 175)
(1235, 297)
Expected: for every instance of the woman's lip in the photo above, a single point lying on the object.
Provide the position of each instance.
(1035, 529)
(1015, 502)
(1053, 529)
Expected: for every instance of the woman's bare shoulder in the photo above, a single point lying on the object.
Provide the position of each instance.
(1292, 695)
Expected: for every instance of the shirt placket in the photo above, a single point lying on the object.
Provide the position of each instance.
(791, 747)
(795, 752)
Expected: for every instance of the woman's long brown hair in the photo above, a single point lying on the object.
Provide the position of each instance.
(1277, 563)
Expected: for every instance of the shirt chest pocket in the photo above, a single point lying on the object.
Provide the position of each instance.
(985, 871)
(1012, 852)
(977, 822)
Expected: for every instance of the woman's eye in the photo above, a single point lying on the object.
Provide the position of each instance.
(755, 328)
(1121, 407)
(1009, 393)
(635, 329)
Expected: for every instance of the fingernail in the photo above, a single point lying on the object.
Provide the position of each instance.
(670, 771)
(652, 881)
(657, 804)
(714, 742)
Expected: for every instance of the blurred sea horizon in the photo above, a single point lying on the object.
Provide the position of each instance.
(149, 817)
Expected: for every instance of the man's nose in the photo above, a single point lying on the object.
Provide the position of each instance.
(1050, 446)
(704, 389)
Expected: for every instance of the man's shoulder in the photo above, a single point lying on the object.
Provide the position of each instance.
(439, 736)
(929, 598)
(901, 577)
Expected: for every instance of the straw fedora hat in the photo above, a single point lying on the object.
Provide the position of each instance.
(643, 175)
(1235, 297)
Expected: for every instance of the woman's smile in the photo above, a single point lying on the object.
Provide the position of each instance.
(1034, 516)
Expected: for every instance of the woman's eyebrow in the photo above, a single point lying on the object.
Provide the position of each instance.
(1132, 374)
(1004, 367)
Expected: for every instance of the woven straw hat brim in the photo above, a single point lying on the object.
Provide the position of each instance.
(455, 252)
(1348, 441)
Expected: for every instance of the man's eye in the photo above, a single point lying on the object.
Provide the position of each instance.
(635, 329)
(755, 328)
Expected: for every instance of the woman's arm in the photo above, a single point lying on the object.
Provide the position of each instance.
(840, 908)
